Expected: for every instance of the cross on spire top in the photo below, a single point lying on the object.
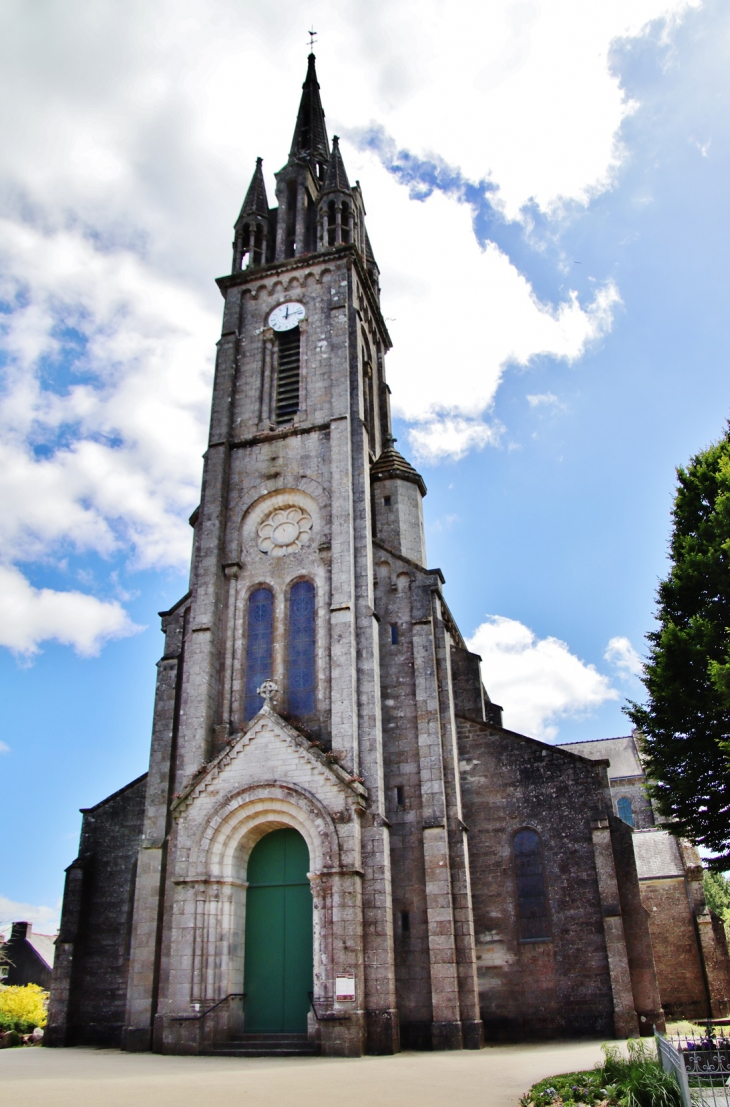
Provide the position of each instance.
(312, 35)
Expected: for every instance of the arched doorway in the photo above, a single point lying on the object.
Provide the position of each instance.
(278, 951)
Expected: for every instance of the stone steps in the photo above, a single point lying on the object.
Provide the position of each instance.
(265, 1045)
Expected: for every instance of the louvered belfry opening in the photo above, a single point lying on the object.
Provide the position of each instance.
(287, 377)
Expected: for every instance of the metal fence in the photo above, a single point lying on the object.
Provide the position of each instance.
(701, 1064)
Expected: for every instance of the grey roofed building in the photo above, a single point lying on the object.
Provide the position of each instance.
(29, 957)
(625, 774)
(689, 942)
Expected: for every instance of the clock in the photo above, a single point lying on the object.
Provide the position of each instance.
(286, 316)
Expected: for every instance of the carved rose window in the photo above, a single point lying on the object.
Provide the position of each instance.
(284, 531)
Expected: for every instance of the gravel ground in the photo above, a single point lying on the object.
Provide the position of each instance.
(81, 1077)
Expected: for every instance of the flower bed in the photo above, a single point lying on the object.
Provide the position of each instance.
(634, 1081)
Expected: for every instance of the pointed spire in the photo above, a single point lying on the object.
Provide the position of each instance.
(310, 134)
(256, 202)
(336, 179)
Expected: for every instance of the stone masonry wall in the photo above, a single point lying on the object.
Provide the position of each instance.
(91, 976)
(678, 966)
(404, 804)
(645, 988)
(554, 987)
(635, 791)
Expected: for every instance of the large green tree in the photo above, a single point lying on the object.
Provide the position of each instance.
(686, 720)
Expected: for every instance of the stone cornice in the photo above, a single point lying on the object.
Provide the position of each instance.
(258, 273)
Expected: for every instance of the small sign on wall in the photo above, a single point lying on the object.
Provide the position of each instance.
(345, 986)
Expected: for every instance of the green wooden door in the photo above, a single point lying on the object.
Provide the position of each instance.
(278, 958)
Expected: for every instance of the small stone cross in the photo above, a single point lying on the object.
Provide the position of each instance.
(269, 690)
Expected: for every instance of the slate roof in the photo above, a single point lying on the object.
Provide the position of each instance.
(391, 465)
(657, 854)
(256, 202)
(310, 134)
(621, 752)
(44, 945)
(336, 179)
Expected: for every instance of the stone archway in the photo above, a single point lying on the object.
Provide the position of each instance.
(217, 892)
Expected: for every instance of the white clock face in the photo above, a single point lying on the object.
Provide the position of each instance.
(286, 316)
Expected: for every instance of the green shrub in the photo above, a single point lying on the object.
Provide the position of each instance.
(634, 1081)
(639, 1078)
(22, 1009)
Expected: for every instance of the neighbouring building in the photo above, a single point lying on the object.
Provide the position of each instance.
(27, 958)
(337, 845)
(688, 940)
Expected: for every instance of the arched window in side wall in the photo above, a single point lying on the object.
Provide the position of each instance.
(625, 810)
(300, 651)
(259, 647)
(531, 895)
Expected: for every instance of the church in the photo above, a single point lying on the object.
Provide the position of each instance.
(337, 848)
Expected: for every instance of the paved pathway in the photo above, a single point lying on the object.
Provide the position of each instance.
(83, 1077)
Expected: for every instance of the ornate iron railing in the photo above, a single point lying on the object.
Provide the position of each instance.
(706, 1062)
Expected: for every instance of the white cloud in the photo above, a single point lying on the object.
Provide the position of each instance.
(543, 108)
(29, 616)
(624, 657)
(131, 421)
(109, 462)
(450, 437)
(4, 747)
(123, 166)
(544, 399)
(537, 681)
(45, 920)
(453, 339)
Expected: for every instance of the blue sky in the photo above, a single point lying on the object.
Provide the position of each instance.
(546, 196)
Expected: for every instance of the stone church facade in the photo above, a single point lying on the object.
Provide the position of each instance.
(337, 843)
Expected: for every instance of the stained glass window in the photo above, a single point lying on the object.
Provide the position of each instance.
(259, 643)
(531, 897)
(300, 657)
(625, 810)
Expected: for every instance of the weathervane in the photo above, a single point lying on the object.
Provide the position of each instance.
(312, 35)
(269, 690)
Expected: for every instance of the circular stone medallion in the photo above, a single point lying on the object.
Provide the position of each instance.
(284, 531)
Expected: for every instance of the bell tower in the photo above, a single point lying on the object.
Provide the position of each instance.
(270, 701)
(335, 826)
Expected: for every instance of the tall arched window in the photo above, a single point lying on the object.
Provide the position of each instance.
(259, 647)
(300, 654)
(531, 897)
(625, 810)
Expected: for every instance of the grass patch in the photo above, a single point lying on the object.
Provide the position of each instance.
(637, 1080)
